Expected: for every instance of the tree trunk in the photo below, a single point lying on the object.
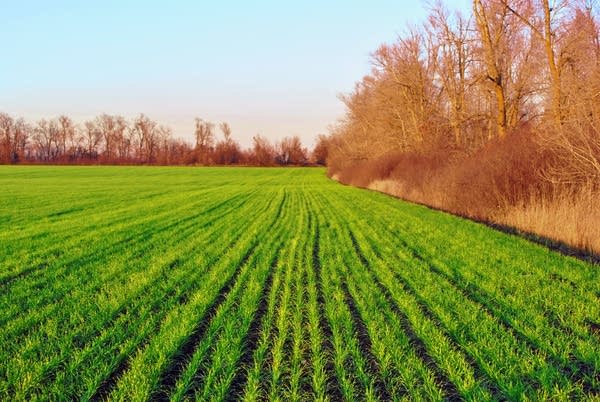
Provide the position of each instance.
(493, 73)
(555, 86)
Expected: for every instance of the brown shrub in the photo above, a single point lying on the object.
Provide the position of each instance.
(570, 216)
(502, 182)
(500, 174)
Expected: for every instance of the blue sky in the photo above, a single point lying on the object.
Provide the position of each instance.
(269, 67)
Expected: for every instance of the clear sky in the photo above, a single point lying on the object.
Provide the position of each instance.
(268, 67)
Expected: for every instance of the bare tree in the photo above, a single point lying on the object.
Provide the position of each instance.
(291, 152)
(575, 145)
(46, 140)
(6, 134)
(263, 152)
(112, 129)
(122, 137)
(66, 135)
(321, 150)
(404, 103)
(491, 28)
(163, 155)
(21, 134)
(544, 28)
(455, 60)
(226, 130)
(91, 139)
(227, 151)
(205, 139)
(144, 131)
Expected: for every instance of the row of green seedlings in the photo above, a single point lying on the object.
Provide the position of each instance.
(561, 293)
(308, 377)
(79, 199)
(121, 204)
(65, 284)
(103, 303)
(364, 253)
(213, 366)
(54, 321)
(43, 246)
(511, 365)
(226, 370)
(62, 272)
(176, 292)
(87, 297)
(150, 370)
(571, 349)
(74, 280)
(280, 367)
(393, 367)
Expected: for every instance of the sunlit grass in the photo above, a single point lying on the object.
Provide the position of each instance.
(136, 283)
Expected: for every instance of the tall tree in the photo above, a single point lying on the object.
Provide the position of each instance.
(542, 18)
(145, 134)
(263, 152)
(46, 140)
(454, 64)
(91, 139)
(491, 28)
(291, 151)
(321, 150)
(227, 151)
(6, 135)
(205, 139)
(66, 135)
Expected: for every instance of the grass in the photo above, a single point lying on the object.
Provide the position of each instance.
(139, 283)
(572, 218)
(567, 220)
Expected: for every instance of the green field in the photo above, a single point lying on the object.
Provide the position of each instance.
(137, 283)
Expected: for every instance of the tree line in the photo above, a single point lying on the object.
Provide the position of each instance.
(457, 82)
(493, 114)
(112, 139)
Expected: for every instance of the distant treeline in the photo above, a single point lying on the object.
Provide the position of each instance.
(110, 139)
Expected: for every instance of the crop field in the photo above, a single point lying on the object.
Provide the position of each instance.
(139, 283)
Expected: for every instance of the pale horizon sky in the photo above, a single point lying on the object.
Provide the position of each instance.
(268, 67)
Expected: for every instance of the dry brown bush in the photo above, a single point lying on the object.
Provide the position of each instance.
(503, 172)
(570, 216)
(502, 183)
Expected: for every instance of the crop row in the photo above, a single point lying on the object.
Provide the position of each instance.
(277, 284)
